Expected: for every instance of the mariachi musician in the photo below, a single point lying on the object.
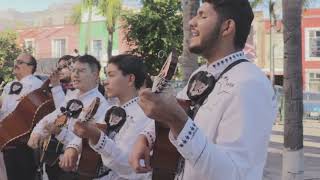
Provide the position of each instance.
(19, 159)
(60, 81)
(84, 76)
(226, 134)
(125, 121)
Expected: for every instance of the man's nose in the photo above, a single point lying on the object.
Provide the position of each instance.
(192, 22)
(105, 82)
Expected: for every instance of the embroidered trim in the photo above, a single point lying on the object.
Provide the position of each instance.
(192, 131)
(149, 137)
(132, 101)
(75, 146)
(101, 143)
(229, 59)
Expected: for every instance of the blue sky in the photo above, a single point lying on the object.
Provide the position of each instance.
(36, 5)
(29, 5)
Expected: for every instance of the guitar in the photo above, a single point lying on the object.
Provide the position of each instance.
(165, 157)
(16, 127)
(90, 161)
(51, 147)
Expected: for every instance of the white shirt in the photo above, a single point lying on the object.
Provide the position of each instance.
(66, 136)
(115, 152)
(229, 136)
(58, 96)
(10, 101)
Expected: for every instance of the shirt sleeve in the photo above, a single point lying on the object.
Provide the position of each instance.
(114, 158)
(150, 133)
(4, 98)
(58, 96)
(68, 138)
(242, 136)
(40, 126)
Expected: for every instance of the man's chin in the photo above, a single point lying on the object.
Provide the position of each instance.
(196, 49)
(65, 80)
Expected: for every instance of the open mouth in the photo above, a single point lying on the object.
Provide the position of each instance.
(76, 82)
(194, 33)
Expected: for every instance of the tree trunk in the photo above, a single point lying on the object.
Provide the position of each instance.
(110, 44)
(188, 60)
(293, 129)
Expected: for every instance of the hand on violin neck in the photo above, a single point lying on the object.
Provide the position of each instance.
(35, 141)
(163, 108)
(51, 128)
(87, 130)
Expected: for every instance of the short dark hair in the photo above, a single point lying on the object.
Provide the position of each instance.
(93, 63)
(33, 63)
(66, 58)
(131, 64)
(238, 10)
(148, 81)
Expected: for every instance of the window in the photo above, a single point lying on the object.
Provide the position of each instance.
(58, 48)
(313, 43)
(314, 81)
(97, 48)
(29, 46)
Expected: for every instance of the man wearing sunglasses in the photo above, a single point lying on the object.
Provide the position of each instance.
(19, 158)
(61, 79)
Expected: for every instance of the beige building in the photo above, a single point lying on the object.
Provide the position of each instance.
(271, 62)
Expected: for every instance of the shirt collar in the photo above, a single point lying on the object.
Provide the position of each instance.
(88, 93)
(26, 78)
(132, 101)
(217, 67)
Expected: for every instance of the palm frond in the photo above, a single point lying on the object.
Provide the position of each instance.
(255, 3)
(76, 14)
(111, 10)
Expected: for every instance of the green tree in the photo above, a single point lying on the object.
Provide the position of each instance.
(110, 9)
(9, 51)
(154, 31)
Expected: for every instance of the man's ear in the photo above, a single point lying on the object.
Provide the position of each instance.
(228, 27)
(131, 79)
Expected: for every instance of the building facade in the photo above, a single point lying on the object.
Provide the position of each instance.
(310, 32)
(49, 41)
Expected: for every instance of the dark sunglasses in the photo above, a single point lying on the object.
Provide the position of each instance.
(62, 67)
(23, 62)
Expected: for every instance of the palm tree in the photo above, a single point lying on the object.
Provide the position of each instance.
(293, 130)
(292, 165)
(188, 60)
(76, 16)
(110, 9)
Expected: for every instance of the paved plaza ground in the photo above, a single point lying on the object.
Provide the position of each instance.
(311, 152)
